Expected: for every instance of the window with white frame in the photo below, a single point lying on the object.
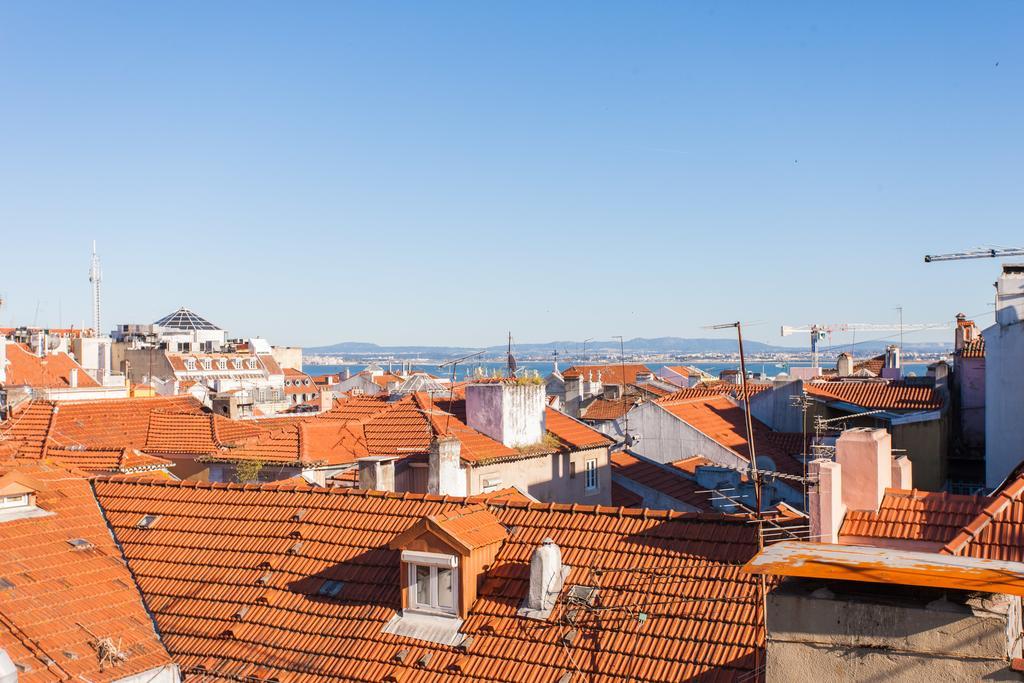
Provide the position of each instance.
(590, 470)
(433, 581)
(252, 363)
(207, 364)
(237, 363)
(18, 500)
(222, 364)
(190, 364)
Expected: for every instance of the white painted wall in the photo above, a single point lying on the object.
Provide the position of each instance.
(1004, 371)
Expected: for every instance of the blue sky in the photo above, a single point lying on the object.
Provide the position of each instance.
(443, 172)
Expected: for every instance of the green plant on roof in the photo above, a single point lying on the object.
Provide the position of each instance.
(248, 470)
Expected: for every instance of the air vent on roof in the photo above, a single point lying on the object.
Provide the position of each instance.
(297, 517)
(242, 611)
(330, 589)
(264, 580)
(400, 656)
(147, 521)
(5, 584)
(424, 660)
(296, 548)
(566, 677)
(79, 544)
(570, 636)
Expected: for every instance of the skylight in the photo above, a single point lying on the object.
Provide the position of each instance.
(147, 521)
(330, 589)
(184, 319)
(79, 543)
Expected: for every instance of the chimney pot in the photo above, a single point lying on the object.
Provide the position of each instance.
(865, 455)
(508, 412)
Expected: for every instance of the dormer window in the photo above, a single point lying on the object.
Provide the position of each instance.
(432, 581)
(222, 364)
(237, 363)
(15, 501)
(252, 363)
(190, 363)
(207, 364)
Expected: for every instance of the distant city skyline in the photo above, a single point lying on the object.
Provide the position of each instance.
(439, 174)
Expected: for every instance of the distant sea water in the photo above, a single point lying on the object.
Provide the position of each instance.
(544, 368)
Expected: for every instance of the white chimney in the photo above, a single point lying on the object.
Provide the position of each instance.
(865, 455)
(508, 412)
(825, 501)
(445, 476)
(3, 359)
(73, 378)
(377, 473)
(8, 671)
(1010, 295)
(891, 369)
(546, 576)
(844, 365)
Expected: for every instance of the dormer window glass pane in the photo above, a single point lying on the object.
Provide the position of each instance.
(16, 501)
(445, 588)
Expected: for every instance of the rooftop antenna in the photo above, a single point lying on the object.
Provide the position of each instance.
(95, 277)
(511, 358)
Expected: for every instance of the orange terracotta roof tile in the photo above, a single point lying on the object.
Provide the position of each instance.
(107, 460)
(724, 421)
(877, 394)
(690, 465)
(603, 409)
(237, 596)
(623, 497)
(610, 374)
(914, 516)
(973, 349)
(660, 478)
(53, 370)
(63, 599)
(997, 532)
(572, 432)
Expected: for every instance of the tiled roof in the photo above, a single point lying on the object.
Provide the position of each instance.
(914, 516)
(652, 389)
(601, 409)
(997, 532)
(63, 599)
(723, 421)
(472, 526)
(877, 394)
(710, 389)
(107, 460)
(623, 497)
(872, 365)
(973, 349)
(232, 574)
(98, 436)
(610, 374)
(690, 465)
(53, 370)
(572, 432)
(660, 478)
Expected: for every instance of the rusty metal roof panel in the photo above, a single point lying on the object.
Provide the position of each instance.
(887, 565)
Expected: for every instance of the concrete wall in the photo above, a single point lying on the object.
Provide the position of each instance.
(969, 376)
(1004, 409)
(824, 639)
(288, 356)
(549, 478)
(774, 407)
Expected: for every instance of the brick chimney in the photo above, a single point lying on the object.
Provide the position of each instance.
(445, 476)
(508, 412)
(966, 332)
(377, 473)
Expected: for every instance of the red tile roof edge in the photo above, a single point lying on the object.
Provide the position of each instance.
(488, 499)
(999, 503)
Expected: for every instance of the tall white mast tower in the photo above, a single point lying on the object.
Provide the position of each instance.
(95, 277)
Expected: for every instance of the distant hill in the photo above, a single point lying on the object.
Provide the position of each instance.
(640, 345)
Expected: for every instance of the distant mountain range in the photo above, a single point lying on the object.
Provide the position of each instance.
(657, 345)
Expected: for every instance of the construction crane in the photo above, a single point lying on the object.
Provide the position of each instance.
(977, 253)
(821, 332)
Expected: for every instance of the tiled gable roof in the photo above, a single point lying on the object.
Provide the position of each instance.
(53, 370)
(723, 421)
(933, 517)
(997, 532)
(107, 460)
(610, 374)
(572, 432)
(660, 478)
(64, 599)
(877, 395)
(711, 389)
(232, 574)
(601, 409)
